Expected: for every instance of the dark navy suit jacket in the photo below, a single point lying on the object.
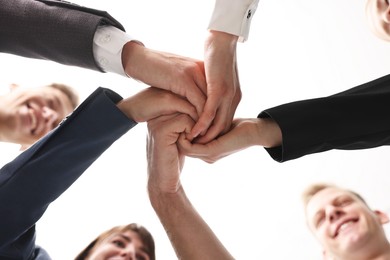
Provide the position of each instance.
(42, 173)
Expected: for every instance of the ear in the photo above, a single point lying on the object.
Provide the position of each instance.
(386, 15)
(13, 86)
(383, 217)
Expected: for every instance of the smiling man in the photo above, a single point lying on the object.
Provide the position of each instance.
(27, 114)
(344, 224)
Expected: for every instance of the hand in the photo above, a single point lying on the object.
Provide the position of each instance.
(153, 102)
(223, 87)
(183, 224)
(243, 134)
(164, 160)
(180, 75)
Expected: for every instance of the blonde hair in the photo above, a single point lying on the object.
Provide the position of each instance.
(313, 189)
(69, 92)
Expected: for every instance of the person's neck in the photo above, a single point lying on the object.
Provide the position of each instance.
(381, 253)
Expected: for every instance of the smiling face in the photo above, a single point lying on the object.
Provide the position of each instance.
(28, 114)
(122, 245)
(378, 16)
(344, 224)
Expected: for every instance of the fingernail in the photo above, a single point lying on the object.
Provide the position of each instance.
(194, 135)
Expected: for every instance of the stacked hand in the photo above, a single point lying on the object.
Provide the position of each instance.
(223, 87)
(189, 111)
(212, 86)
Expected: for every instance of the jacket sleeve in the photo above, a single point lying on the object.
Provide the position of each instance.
(42, 173)
(51, 29)
(354, 119)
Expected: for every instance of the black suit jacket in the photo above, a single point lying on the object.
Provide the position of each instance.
(358, 118)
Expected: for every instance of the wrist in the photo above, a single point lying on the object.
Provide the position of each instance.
(160, 198)
(268, 132)
(222, 39)
(125, 107)
(132, 53)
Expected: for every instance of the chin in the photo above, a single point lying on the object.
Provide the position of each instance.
(354, 242)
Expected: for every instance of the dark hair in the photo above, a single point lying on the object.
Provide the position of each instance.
(144, 234)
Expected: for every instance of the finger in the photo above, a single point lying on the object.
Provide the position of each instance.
(173, 123)
(223, 119)
(187, 148)
(178, 104)
(197, 99)
(205, 119)
(199, 151)
(221, 124)
(155, 123)
(200, 79)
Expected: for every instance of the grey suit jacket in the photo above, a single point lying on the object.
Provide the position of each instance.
(54, 30)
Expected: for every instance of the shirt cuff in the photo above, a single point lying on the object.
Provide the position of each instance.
(233, 16)
(108, 43)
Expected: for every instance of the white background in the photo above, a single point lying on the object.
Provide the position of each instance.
(297, 49)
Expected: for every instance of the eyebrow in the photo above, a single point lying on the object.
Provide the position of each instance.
(125, 237)
(142, 248)
(334, 201)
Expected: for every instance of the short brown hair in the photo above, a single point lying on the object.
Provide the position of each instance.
(313, 189)
(69, 92)
(144, 234)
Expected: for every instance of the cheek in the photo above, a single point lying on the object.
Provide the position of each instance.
(322, 234)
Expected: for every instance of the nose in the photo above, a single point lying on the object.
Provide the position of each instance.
(129, 252)
(50, 116)
(333, 213)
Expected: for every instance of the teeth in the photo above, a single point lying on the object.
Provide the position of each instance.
(345, 225)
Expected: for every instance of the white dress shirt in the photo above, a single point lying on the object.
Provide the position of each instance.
(233, 16)
(230, 16)
(108, 43)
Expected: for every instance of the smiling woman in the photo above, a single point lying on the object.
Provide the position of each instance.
(27, 114)
(132, 241)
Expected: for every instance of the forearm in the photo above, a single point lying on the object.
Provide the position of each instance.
(189, 234)
(57, 31)
(43, 172)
